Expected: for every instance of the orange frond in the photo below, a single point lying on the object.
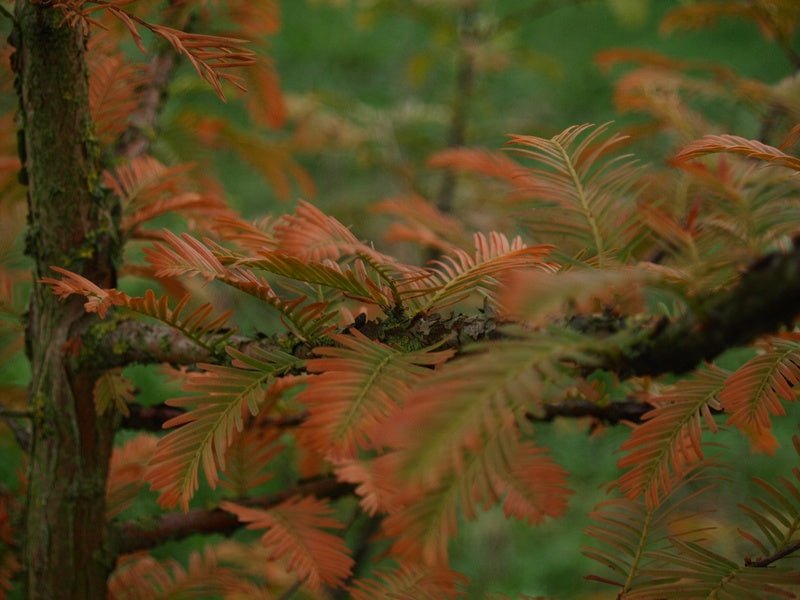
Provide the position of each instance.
(422, 223)
(755, 390)
(98, 300)
(113, 84)
(540, 296)
(126, 472)
(312, 235)
(142, 577)
(247, 458)
(224, 395)
(415, 581)
(455, 277)
(715, 144)
(265, 101)
(355, 390)
(535, 486)
(296, 533)
(668, 442)
(581, 199)
(376, 486)
(484, 162)
(112, 388)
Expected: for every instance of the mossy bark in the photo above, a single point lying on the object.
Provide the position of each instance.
(72, 223)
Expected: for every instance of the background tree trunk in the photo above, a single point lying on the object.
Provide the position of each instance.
(73, 223)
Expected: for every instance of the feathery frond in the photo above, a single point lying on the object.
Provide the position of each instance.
(356, 390)
(627, 530)
(112, 388)
(113, 83)
(669, 439)
(776, 513)
(224, 396)
(581, 200)
(187, 256)
(419, 221)
(126, 472)
(455, 277)
(715, 144)
(142, 577)
(755, 390)
(327, 274)
(484, 162)
(247, 458)
(410, 582)
(471, 400)
(691, 570)
(296, 532)
(540, 296)
(534, 487)
(210, 55)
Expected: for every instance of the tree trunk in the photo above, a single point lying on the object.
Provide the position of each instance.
(72, 223)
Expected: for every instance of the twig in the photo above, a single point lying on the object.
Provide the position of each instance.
(152, 418)
(783, 553)
(133, 536)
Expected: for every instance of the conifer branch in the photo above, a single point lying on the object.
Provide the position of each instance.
(766, 297)
(136, 536)
(783, 553)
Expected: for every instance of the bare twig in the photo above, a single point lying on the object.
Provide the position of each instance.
(134, 536)
(783, 553)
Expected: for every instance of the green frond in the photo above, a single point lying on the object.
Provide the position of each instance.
(669, 439)
(691, 570)
(581, 201)
(357, 388)
(455, 277)
(776, 513)
(224, 395)
(626, 530)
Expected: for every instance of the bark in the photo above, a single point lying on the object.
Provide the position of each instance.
(72, 223)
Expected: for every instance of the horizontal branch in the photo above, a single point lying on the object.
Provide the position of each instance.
(152, 418)
(782, 553)
(134, 536)
(766, 297)
(133, 341)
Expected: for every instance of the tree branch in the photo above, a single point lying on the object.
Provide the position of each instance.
(132, 536)
(783, 553)
(133, 341)
(152, 418)
(766, 297)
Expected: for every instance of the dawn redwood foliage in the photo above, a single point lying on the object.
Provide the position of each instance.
(414, 390)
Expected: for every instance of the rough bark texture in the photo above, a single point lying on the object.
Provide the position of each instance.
(72, 223)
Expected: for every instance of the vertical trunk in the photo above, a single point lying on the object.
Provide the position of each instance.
(71, 224)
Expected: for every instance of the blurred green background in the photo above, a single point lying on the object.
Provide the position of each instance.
(372, 85)
(371, 88)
